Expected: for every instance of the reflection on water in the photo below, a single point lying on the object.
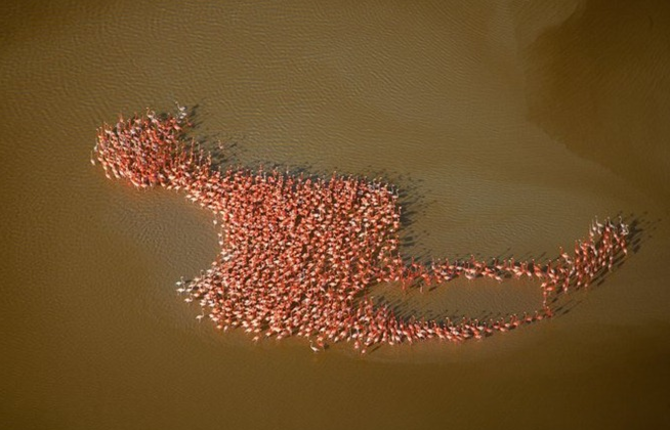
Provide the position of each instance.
(513, 123)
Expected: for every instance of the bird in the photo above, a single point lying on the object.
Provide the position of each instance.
(295, 251)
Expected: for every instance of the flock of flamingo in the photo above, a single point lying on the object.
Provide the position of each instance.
(297, 254)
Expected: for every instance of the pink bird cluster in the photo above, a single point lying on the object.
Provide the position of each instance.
(297, 254)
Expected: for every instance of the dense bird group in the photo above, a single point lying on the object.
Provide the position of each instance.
(298, 253)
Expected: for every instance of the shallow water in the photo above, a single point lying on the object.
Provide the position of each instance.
(509, 124)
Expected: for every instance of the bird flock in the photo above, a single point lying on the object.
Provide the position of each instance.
(297, 253)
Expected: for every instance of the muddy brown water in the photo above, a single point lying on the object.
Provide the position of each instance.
(510, 125)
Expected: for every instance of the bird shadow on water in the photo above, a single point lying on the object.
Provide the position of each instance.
(404, 303)
(641, 230)
(228, 151)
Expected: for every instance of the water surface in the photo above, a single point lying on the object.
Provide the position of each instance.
(509, 124)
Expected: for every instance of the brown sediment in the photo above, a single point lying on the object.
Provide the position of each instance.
(298, 253)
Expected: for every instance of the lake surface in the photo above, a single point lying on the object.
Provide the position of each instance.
(509, 125)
